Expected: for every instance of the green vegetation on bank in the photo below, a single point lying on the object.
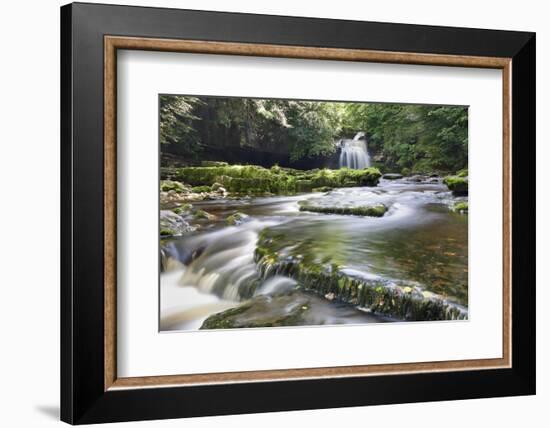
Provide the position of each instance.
(415, 138)
(252, 179)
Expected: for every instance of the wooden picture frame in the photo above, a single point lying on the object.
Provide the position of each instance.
(91, 390)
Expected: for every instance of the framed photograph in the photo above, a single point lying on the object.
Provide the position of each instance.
(273, 213)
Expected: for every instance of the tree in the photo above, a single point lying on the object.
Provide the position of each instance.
(177, 121)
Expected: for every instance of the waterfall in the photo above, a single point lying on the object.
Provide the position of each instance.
(354, 152)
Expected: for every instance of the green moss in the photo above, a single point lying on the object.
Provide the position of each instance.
(184, 209)
(167, 185)
(236, 219)
(167, 232)
(405, 171)
(303, 186)
(362, 177)
(458, 185)
(346, 177)
(369, 211)
(213, 163)
(461, 207)
(462, 173)
(255, 179)
(203, 215)
(201, 189)
(307, 264)
(276, 169)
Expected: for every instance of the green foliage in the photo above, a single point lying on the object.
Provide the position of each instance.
(420, 138)
(313, 128)
(177, 122)
(417, 137)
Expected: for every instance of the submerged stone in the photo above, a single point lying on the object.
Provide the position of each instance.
(236, 219)
(392, 176)
(377, 210)
(294, 308)
(203, 215)
(322, 189)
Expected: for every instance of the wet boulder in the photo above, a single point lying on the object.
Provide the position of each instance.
(172, 224)
(392, 176)
(176, 186)
(203, 215)
(262, 311)
(461, 207)
(236, 219)
(458, 185)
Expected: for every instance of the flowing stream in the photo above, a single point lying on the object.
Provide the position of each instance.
(419, 242)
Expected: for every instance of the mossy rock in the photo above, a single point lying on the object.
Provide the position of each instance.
(252, 179)
(392, 176)
(458, 185)
(203, 215)
(184, 209)
(236, 219)
(462, 173)
(172, 224)
(322, 189)
(377, 210)
(396, 299)
(201, 189)
(263, 311)
(213, 163)
(168, 185)
(168, 232)
(216, 186)
(461, 207)
(303, 186)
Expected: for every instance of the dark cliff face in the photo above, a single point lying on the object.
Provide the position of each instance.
(228, 151)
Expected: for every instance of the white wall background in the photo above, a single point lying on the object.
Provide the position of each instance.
(29, 214)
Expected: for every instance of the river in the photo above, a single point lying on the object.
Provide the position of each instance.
(420, 242)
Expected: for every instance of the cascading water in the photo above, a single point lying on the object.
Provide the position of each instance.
(354, 153)
(417, 250)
